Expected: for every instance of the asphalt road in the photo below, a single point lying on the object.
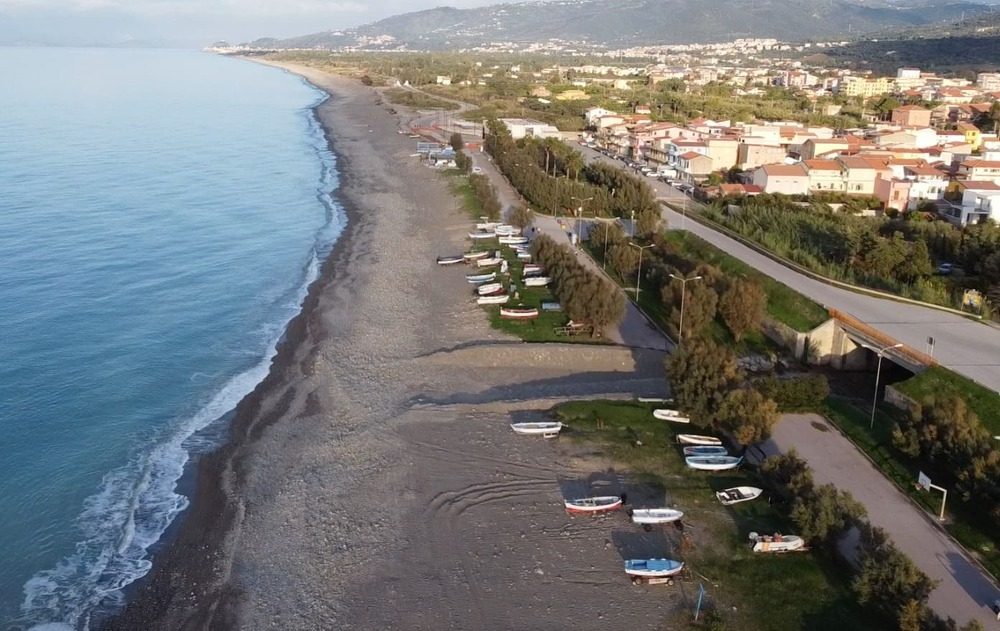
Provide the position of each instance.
(963, 592)
(969, 348)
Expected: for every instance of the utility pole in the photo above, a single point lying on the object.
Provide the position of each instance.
(684, 282)
(638, 275)
(878, 372)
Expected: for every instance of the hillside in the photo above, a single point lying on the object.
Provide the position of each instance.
(618, 23)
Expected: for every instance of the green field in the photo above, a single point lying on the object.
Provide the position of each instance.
(938, 381)
(784, 304)
(751, 592)
(417, 100)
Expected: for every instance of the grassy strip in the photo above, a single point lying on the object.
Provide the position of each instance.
(417, 100)
(941, 382)
(784, 304)
(969, 525)
(461, 187)
(751, 592)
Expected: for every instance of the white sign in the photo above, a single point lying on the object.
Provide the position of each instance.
(924, 481)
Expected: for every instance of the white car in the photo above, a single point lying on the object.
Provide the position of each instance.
(477, 170)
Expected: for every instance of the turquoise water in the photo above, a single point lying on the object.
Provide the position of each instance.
(161, 213)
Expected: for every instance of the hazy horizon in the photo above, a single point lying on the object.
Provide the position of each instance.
(188, 23)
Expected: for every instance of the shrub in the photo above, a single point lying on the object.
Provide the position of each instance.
(795, 393)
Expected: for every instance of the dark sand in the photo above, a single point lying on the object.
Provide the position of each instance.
(371, 480)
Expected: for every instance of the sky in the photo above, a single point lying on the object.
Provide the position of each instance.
(190, 23)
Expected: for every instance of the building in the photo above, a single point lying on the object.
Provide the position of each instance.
(980, 201)
(894, 193)
(911, 116)
(926, 184)
(527, 128)
(865, 88)
(786, 179)
(859, 175)
(693, 166)
(750, 156)
(988, 81)
(980, 170)
(825, 176)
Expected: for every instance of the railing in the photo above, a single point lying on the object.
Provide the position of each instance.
(881, 338)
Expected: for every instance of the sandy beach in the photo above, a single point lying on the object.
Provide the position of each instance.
(371, 481)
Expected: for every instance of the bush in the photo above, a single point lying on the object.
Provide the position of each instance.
(795, 394)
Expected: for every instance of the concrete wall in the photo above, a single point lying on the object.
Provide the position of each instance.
(899, 400)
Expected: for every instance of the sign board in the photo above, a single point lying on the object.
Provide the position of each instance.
(923, 481)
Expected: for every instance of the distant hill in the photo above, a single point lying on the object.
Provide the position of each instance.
(619, 23)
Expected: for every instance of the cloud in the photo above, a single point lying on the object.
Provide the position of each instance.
(234, 8)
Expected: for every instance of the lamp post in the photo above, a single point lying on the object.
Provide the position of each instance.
(684, 282)
(638, 274)
(878, 373)
(607, 231)
(579, 211)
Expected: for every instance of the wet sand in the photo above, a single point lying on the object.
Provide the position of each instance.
(371, 480)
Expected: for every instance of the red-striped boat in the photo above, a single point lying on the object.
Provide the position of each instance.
(518, 314)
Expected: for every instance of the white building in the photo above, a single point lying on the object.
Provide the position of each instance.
(527, 128)
(988, 81)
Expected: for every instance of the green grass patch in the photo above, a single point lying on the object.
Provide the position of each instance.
(417, 100)
(461, 187)
(937, 382)
(784, 304)
(753, 592)
(968, 523)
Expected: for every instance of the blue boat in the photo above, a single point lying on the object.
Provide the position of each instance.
(653, 567)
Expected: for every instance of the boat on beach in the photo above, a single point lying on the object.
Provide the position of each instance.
(482, 235)
(551, 306)
(545, 428)
(674, 416)
(713, 463)
(532, 269)
(489, 262)
(777, 543)
(653, 567)
(738, 494)
(518, 314)
(593, 505)
(498, 299)
(488, 226)
(450, 260)
(705, 450)
(476, 279)
(512, 240)
(523, 256)
(536, 281)
(489, 288)
(697, 439)
(475, 256)
(652, 516)
(506, 230)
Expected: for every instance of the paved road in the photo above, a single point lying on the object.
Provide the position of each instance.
(965, 346)
(964, 592)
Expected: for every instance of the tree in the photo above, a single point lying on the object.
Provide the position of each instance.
(911, 616)
(886, 579)
(824, 515)
(522, 217)
(456, 141)
(742, 307)
(701, 375)
(463, 162)
(624, 259)
(700, 305)
(747, 415)
(788, 474)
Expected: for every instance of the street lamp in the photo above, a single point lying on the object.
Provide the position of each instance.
(684, 282)
(579, 211)
(607, 232)
(638, 275)
(878, 372)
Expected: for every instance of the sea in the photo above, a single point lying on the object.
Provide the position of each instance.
(162, 213)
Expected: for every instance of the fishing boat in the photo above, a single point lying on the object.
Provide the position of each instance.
(475, 256)
(450, 260)
(594, 505)
(653, 567)
(476, 279)
(495, 260)
(532, 269)
(505, 230)
(551, 306)
(536, 281)
(489, 288)
(498, 299)
(512, 240)
(482, 235)
(523, 256)
(738, 494)
(518, 314)
(489, 226)
(673, 416)
(777, 543)
(705, 450)
(655, 515)
(547, 429)
(713, 463)
(697, 439)
(653, 400)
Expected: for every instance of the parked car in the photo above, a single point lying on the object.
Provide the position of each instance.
(945, 268)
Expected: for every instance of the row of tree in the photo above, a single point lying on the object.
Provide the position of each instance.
(950, 437)
(486, 194)
(584, 295)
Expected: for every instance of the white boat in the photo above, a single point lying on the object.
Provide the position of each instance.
(512, 240)
(546, 429)
(536, 281)
(493, 300)
(523, 256)
(450, 260)
(489, 262)
(713, 463)
(489, 288)
(738, 494)
(655, 515)
(592, 505)
(474, 256)
(653, 567)
(506, 230)
(777, 543)
(653, 400)
(518, 314)
(532, 269)
(706, 450)
(482, 235)
(476, 279)
(670, 415)
(489, 226)
(697, 439)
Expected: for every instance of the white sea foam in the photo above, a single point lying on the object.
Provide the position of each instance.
(136, 503)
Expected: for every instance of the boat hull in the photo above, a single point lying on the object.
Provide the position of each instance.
(696, 439)
(652, 517)
(593, 506)
(738, 494)
(653, 568)
(518, 314)
(713, 463)
(670, 415)
(536, 429)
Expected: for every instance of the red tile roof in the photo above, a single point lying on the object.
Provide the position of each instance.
(823, 165)
(784, 169)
